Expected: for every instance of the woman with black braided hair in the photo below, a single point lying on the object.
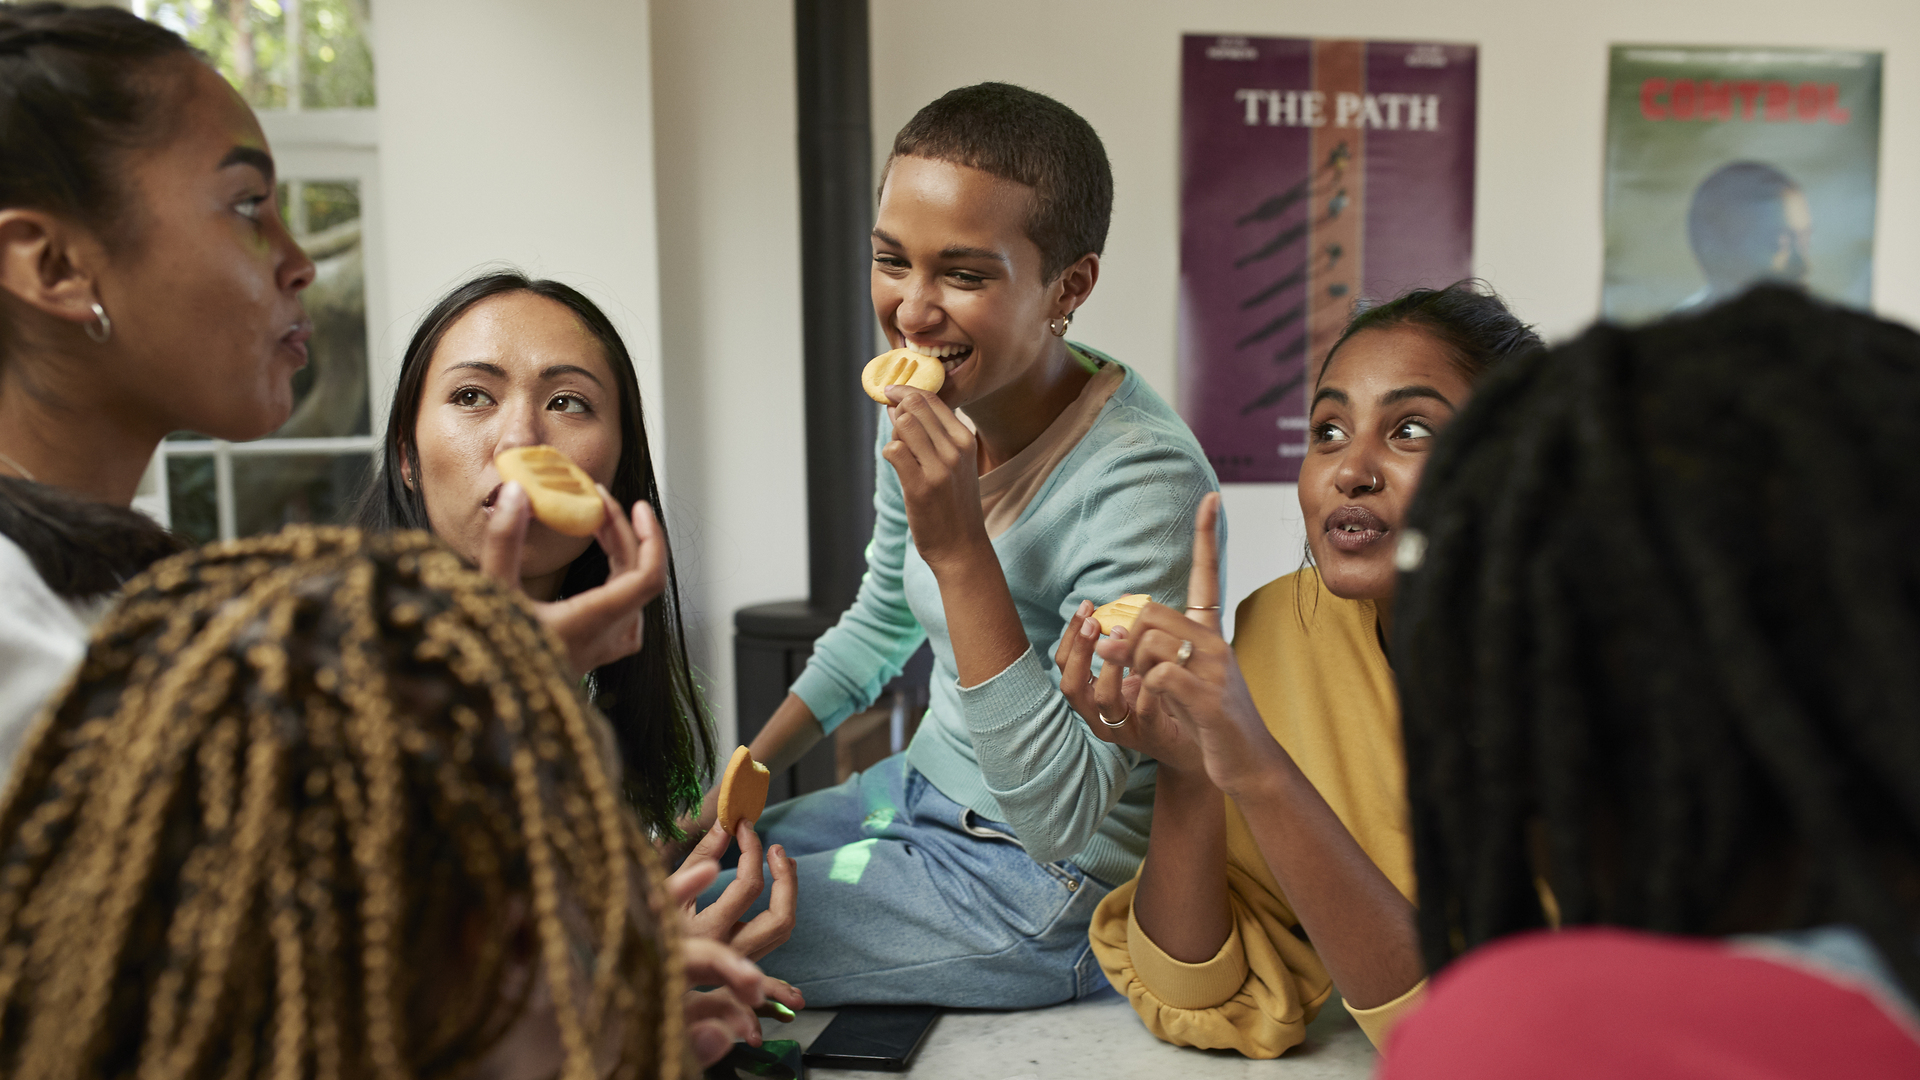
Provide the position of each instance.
(324, 804)
(1662, 655)
(1296, 723)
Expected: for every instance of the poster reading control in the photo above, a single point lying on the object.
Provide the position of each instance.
(1727, 167)
(1313, 174)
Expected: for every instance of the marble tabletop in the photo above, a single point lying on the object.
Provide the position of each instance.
(1097, 1038)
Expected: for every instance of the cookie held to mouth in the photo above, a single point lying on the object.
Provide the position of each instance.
(743, 790)
(1121, 612)
(902, 367)
(563, 495)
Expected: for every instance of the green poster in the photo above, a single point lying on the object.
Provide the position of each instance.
(1731, 166)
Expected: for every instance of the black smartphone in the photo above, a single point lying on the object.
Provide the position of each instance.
(876, 1037)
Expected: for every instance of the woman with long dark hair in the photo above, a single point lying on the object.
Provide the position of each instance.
(504, 361)
(147, 285)
(529, 362)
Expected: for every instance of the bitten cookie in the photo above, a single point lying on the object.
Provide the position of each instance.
(1121, 612)
(743, 790)
(902, 367)
(562, 494)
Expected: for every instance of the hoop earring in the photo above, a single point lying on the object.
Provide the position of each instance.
(1058, 325)
(101, 328)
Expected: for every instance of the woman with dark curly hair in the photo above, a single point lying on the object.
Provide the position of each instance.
(1659, 670)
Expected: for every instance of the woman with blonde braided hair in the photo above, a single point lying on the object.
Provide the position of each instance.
(326, 804)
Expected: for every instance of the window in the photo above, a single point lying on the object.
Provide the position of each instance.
(306, 67)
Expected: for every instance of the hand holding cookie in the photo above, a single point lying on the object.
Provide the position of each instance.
(604, 623)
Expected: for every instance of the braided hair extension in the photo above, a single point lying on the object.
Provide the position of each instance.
(325, 804)
(1654, 653)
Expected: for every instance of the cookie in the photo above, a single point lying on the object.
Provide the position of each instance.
(1121, 612)
(562, 494)
(743, 790)
(902, 367)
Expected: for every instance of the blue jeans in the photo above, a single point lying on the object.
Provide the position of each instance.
(909, 897)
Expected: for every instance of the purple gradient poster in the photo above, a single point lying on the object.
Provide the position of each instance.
(1313, 174)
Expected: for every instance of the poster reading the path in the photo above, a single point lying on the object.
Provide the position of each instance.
(1728, 166)
(1313, 174)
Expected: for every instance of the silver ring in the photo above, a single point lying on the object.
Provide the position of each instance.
(1114, 723)
(1184, 653)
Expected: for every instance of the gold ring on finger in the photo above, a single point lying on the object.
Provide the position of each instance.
(1184, 654)
(1115, 723)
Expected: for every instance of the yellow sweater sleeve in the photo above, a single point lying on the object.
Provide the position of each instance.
(1256, 995)
(1378, 1021)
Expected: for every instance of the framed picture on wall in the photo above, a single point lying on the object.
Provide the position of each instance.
(1727, 167)
(1314, 175)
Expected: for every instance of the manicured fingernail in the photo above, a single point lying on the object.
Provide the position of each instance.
(1119, 633)
(1089, 629)
(1086, 608)
(782, 1013)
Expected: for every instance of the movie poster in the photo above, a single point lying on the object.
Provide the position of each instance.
(1313, 174)
(1729, 166)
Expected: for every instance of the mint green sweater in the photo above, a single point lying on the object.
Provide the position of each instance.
(1116, 517)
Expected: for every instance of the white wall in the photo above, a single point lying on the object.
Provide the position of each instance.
(521, 133)
(726, 159)
(728, 175)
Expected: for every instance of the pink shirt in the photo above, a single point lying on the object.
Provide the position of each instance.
(1597, 1002)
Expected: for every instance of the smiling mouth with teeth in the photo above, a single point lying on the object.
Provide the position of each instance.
(950, 356)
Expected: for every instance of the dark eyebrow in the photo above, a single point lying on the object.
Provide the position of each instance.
(1329, 394)
(480, 365)
(955, 251)
(499, 372)
(248, 155)
(1408, 393)
(558, 370)
(958, 252)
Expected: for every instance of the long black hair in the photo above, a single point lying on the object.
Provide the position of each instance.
(76, 94)
(666, 741)
(1662, 647)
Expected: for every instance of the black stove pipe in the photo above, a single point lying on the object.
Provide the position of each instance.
(836, 214)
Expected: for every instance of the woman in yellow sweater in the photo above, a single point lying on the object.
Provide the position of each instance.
(1249, 910)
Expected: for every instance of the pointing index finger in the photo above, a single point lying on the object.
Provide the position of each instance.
(1203, 582)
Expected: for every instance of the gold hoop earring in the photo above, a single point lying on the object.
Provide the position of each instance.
(1058, 325)
(101, 328)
